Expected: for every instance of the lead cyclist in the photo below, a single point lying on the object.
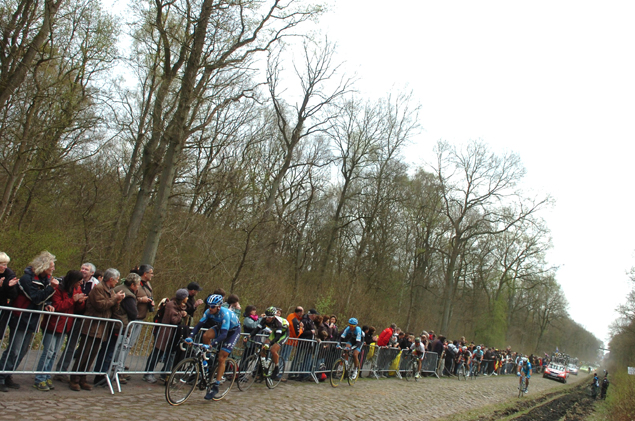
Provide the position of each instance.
(525, 366)
(354, 339)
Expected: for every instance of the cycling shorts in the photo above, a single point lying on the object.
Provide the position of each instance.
(230, 341)
(357, 347)
(417, 355)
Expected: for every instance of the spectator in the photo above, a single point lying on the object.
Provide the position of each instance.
(37, 286)
(89, 280)
(126, 312)
(68, 298)
(308, 331)
(333, 328)
(8, 291)
(102, 301)
(99, 275)
(369, 335)
(174, 314)
(233, 304)
(437, 345)
(294, 319)
(251, 319)
(384, 337)
(192, 304)
(145, 301)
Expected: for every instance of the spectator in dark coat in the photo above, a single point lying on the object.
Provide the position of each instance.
(192, 303)
(37, 286)
(8, 290)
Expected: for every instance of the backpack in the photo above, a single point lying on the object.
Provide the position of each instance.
(158, 316)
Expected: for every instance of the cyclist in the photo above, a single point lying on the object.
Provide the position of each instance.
(354, 339)
(278, 328)
(462, 357)
(418, 352)
(478, 357)
(223, 328)
(525, 366)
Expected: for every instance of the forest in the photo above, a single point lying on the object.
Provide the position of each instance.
(223, 143)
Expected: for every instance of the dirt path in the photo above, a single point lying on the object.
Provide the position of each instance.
(384, 399)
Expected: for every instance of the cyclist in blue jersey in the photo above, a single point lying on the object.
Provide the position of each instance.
(223, 328)
(477, 356)
(354, 339)
(525, 366)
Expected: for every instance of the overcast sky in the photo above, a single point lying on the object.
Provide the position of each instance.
(552, 81)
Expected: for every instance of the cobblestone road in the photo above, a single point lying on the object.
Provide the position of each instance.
(385, 399)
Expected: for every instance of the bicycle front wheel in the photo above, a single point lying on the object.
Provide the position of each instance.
(248, 372)
(415, 370)
(182, 381)
(227, 381)
(337, 372)
(272, 381)
(409, 373)
(521, 387)
(460, 373)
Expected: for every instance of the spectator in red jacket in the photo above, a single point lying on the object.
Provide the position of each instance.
(384, 337)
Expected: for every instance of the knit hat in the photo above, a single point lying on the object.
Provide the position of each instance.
(182, 294)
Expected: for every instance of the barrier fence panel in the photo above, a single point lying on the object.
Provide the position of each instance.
(33, 341)
(406, 359)
(368, 363)
(387, 362)
(151, 348)
(299, 357)
(326, 354)
(429, 363)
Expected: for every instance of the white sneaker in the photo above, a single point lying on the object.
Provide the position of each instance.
(354, 374)
(417, 375)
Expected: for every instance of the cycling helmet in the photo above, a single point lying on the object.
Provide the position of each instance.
(352, 321)
(271, 311)
(417, 339)
(214, 300)
(478, 348)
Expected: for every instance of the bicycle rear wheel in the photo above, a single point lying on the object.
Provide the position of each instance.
(248, 372)
(182, 381)
(227, 381)
(337, 372)
(272, 382)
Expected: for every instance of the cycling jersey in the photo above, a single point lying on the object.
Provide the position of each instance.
(420, 350)
(226, 325)
(526, 368)
(355, 337)
(279, 329)
(478, 355)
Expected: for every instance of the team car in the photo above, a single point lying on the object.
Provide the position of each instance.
(573, 369)
(557, 372)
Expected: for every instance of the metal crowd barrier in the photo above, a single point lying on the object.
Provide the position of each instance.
(31, 344)
(429, 363)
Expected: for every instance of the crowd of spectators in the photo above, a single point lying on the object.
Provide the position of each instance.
(91, 346)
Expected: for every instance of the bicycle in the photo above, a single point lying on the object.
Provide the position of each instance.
(343, 367)
(461, 372)
(473, 370)
(522, 389)
(412, 368)
(186, 376)
(257, 367)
